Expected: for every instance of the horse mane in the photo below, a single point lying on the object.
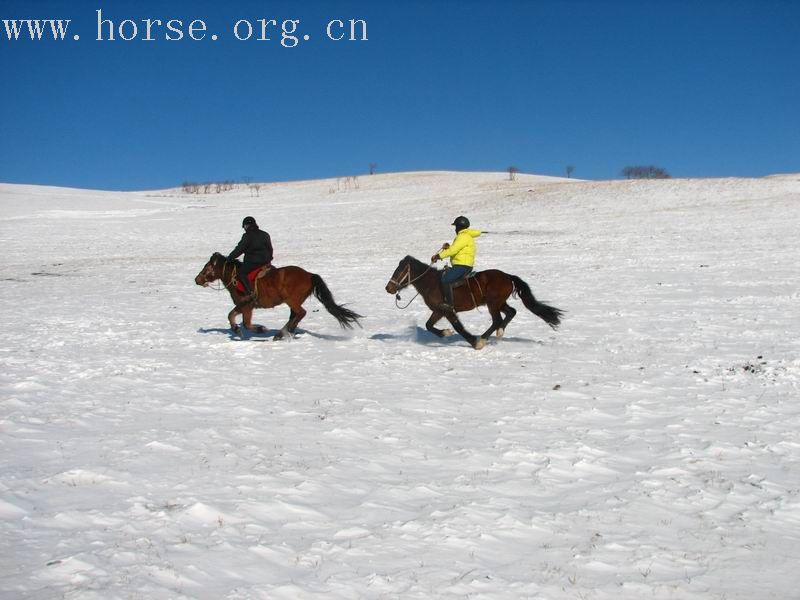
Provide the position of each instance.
(219, 257)
(415, 262)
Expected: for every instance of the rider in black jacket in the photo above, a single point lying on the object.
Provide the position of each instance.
(256, 246)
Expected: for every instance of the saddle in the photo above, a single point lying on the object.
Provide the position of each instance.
(253, 275)
(461, 281)
(448, 303)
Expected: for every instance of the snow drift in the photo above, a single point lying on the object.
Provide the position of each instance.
(650, 448)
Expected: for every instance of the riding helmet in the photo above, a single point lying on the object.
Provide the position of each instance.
(461, 223)
(248, 221)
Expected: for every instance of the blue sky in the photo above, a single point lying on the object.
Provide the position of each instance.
(698, 88)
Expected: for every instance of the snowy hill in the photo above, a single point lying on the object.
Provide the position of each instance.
(650, 448)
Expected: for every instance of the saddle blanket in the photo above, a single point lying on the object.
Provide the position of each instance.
(252, 276)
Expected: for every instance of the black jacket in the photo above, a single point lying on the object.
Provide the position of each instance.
(256, 247)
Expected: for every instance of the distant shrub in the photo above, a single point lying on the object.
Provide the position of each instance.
(191, 187)
(645, 172)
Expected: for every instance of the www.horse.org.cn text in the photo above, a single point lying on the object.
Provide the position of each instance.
(288, 33)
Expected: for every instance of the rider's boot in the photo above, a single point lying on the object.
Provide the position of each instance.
(248, 295)
(447, 294)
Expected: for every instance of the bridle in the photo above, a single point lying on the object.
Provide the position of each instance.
(402, 284)
(221, 278)
(407, 275)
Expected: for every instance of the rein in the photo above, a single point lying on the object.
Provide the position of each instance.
(397, 301)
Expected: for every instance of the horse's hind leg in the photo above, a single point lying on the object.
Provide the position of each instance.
(296, 314)
(435, 317)
(497, 322)
(295, 317)
(510, 314)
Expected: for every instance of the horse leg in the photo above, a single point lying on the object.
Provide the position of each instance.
(232, 320)
(475, 342)
(497, 322)
(435, 317)
(299, 315)
(247, 317)
(290, 324)
(296, 314)
(510, 314)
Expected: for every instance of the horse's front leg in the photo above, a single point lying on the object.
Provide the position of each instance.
(435, 317)
(247, 318)
(475, 342)
(232, 320)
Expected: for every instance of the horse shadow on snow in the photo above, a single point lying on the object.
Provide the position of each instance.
(424, 337)
(267, 334)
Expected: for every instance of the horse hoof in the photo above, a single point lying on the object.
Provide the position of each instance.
(260, 329)
(501, 333)
(447, 332)
(480, 343)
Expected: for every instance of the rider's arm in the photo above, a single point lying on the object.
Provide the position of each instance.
(239, 250)
(269, 248)
(454, 248)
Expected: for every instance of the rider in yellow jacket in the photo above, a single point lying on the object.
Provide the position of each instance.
(462, 258)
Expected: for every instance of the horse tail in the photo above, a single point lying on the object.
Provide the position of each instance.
(345, 316)
(550, 314)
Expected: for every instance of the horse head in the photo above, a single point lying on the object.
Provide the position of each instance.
(213, 270)
(406, 272)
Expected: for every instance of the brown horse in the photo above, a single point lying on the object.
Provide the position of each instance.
(491, 287)
(289, 285)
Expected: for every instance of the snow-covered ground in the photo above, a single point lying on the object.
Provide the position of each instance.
(648, 449)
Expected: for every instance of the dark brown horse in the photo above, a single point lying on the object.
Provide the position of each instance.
(491, 287)
(283, 285)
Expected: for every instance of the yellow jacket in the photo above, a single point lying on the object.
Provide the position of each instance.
(462, 250)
